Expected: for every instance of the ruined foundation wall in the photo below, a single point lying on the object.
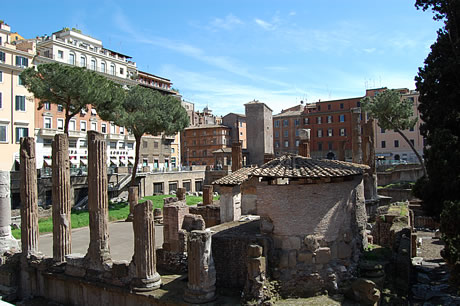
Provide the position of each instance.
(249, 196)
(318, 232)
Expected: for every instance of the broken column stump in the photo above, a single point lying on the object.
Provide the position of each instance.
(29, 200)
(180, 193)
(61, 198)
(147, 277)
(255, 281)
(207, 194)
(7, 241)
(98, 202)
(201, 271)
(133, 199)
(237, 156)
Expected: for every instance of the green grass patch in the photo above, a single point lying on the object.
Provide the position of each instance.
(117, 211)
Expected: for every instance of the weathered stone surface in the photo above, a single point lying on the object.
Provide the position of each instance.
(147, 278)
(306, 257)
(291, 243)
(356, 135)
(28, 188)
(133, 199)
(365, 292)
(323, 255)
(292, 258)
(62, 229)
(201, 272)
(98, 251)
(255, 250)
(180, 193)
(7, 241)
(207, 194)
(210, 213)
(193, 222)
(230, 203)
(237, 156)
(311, 242)
(266, 226)
(173, 216)
(344, 250)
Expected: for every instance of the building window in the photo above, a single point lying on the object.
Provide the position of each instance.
(47, 122)
(382, 131)
(319, 107)
(329, 146)
(82, 143)
(3, 133)
(72, 125)
(112, 128)
(1, 103)
(277, 134)
(60, 108)
(329, 132)
(83, 126)
(286, 144)
(286, 134)
(329, 119)
(94, 126)
(383, 144)
(60, 124)
(21, 103)
(320, 133)
(22, 61)
(411, 129)
(297, 132)
(112, 69)
(60, 54)
(306, 120)
(396, 143)
(20, 81)
(103, 67)
(47, 142)
(47, 105)
(122, 130)
(155, 144)
(144, 144)
(412, 142)
(341, 118)
(277, 144)
(72, 59)
(104, 128)
(93, 64)
(318, 120)
(83, 61)
(296, 122)
(113, 145)
(277, 123)
(341, 105)
(328, 107)
(320, 146)
(121, 71)
(93, 112)
(72, 144)
(130, 145)
(122, 145)
(21, 132)
(1, 77)
(285, 122)
(297, 142)
(358, 104)
(343, 132)
(205, 153)
(2, 56)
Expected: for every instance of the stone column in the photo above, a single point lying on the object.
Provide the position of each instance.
(147, 278)
(133, 199)
(61, 198)
(207, 194)
(356, 135)
(201, 271)
(237, 157)
(29, 199)
(368, 148)
(180, 193)
(7, 241)
(98, 251)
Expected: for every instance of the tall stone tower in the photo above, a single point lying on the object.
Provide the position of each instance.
(259, 131)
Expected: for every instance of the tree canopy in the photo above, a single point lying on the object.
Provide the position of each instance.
(393, 113)
(74, 88)
(146, 111)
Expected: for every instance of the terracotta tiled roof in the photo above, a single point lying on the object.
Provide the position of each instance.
(295, 166)
(235, 178)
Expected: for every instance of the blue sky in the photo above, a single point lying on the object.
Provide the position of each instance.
(227, 53)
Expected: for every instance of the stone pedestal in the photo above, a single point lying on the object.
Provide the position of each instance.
(237, 156)
(98, 251)
(207, 194)
(147, 278)
(356, 135)
(180, 193)
(133, 199)
(29, 200)
(304, 148)
(7, 241)
(173, 217)
(230, 203)
(61, 198)
(201, 271)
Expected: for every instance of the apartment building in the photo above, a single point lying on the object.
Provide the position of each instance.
(237, 124)
(16, 103)
(199, 142)
(389, 144)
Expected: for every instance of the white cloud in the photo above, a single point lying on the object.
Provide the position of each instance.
(369, 50)
(264, 24)
(227, 23)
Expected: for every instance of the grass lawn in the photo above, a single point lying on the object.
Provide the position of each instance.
(117, 211)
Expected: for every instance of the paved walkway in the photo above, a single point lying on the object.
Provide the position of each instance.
(121, 240)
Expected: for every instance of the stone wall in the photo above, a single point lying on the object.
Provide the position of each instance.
(249, 196)
(397, 195)
(408, 174)
(318, 232)
(210, 213)
(165, 178)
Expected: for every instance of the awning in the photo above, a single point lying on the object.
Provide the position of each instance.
(130, 162)
(83, 112)
(74, 162)
(123, 162)
(47, 162)
(93, 112)
(84, 161)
